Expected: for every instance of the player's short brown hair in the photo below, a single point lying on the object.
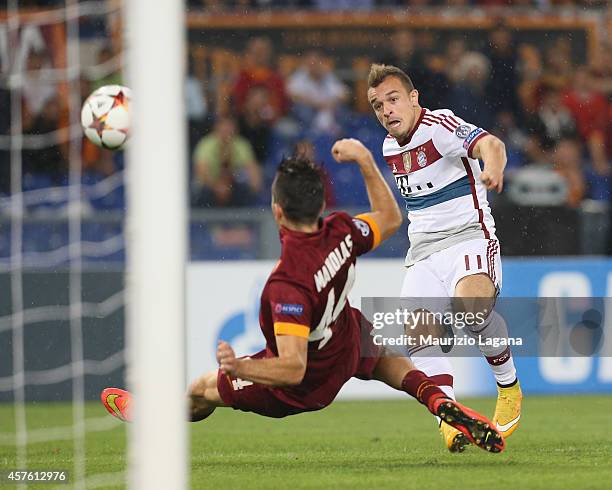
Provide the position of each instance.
(379, 72)
(298, 189)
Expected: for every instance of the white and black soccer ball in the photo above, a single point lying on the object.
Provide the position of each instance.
(105, 116)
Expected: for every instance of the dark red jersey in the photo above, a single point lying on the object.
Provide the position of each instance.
(306, 296)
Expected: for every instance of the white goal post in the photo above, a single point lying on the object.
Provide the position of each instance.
(157, 244)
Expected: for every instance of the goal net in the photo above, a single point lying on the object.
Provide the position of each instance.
(67, 307)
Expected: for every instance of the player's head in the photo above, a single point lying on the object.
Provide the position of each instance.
(394, 99)
(298, 195)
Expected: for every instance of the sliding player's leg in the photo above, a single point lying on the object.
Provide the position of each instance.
(475, 285)
(210, 391)
(401, 374)
(422, 287)
(204, 397)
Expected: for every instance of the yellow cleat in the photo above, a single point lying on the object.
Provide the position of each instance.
(508, 409)
(455, 441)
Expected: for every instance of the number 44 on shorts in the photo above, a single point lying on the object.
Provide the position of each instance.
(239, 384)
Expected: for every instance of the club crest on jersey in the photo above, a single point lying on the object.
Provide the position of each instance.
(462, 131)
(407, 159)
(421, 158)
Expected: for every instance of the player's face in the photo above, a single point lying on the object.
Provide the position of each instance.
(396, 109)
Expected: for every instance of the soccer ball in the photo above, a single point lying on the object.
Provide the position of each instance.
(105, 116)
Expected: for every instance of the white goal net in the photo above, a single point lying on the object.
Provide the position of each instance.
(62, 246)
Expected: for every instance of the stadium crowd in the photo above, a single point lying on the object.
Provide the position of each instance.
(553, 111)
(224, 5)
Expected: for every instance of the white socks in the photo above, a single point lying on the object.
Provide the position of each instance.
(499, 358)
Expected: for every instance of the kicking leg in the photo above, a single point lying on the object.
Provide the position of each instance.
(400, 373)
(476, 293)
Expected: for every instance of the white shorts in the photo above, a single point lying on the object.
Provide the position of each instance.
(438, 275)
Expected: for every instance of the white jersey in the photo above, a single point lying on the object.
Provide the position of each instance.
(439, 179)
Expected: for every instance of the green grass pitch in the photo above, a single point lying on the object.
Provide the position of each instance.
(563, 442)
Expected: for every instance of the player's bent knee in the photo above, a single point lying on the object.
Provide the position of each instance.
(475, 295)
(204, 397)
(475, 286)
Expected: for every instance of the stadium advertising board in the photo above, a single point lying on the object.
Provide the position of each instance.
(350, 38)
(223, 303)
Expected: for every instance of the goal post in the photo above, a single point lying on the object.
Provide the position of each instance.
(156, 244)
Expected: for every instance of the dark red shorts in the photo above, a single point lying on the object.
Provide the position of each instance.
(252, 397)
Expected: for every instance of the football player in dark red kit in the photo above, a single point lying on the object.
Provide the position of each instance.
(315, 340)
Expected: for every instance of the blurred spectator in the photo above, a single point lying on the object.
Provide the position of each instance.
(503, 81)
(455, 51)
(107, 69)
(343, 4)
(468, 98)
(602, 70)
(48, 160)
(197, 106)
(553, 121)
(514, 138)
(253, 122)
(216, 6)
(413, 3)
(431, 84)
(567, 162)
(558, 66)
(530, 68)
(225, 170)
(457, 3)
(590, 110)
(98, 160)
(258, 72)
(38, 87)
(211, 6)
(317, 94)
(602, 80)
(195, 101)
(512, 3)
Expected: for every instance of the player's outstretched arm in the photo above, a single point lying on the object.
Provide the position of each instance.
(285, 370)
(384, 209)
(492, 151)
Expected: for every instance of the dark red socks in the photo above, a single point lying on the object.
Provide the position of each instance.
(419, 385)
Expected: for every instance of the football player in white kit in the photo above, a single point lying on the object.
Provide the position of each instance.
(434, 157)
